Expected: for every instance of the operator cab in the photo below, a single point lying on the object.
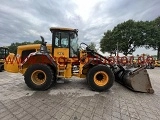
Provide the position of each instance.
(64, 42)
(3, 52)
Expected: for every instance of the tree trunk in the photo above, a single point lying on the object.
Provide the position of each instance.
(158, 53)
(125, 53)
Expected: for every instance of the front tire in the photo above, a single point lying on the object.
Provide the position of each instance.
(100, 78)
(39, 77)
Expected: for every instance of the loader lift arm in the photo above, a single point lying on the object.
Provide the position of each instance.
(93, 53)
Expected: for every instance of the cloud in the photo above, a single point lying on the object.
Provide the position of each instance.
(26, 20)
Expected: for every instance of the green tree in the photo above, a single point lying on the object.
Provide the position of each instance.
(13, 46)
(124, 34)
(37, 42)
(92, 45)
(107, 43)
(157, 45)
(153, 36)
(131, 35)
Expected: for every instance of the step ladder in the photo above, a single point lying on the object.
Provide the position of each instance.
(61, 71)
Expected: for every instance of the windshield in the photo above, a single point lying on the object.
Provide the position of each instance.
(67, 39)
(62, 39)
(73, 45)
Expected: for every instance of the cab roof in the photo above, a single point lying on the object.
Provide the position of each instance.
(63, 29)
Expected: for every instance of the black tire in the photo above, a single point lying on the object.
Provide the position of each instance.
(100, 72)
(38, 73)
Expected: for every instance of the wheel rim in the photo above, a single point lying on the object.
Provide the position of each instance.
(101, 78)
(38, 77)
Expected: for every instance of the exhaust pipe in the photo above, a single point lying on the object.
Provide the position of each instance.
(136, 80)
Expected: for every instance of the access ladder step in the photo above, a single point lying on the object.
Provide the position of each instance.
(61, 70)
(60, 76)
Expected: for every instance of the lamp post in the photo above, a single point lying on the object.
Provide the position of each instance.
(117, 54)
(117, 48)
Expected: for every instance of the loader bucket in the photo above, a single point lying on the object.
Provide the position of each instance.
(136, 80)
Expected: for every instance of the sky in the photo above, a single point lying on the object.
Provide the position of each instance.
(26, 20)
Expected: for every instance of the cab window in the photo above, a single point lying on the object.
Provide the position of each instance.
(62, 39)
(25, 53)
(3, 53)
(73, 45)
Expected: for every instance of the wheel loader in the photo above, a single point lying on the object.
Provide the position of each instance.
(42, 65)
(3, 54)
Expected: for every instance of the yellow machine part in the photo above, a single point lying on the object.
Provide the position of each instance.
(157, 63)
(1, 60)
(61, 52)
(11, 63)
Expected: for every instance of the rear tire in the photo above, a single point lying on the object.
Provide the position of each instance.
(100, 78)
(39, 77)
